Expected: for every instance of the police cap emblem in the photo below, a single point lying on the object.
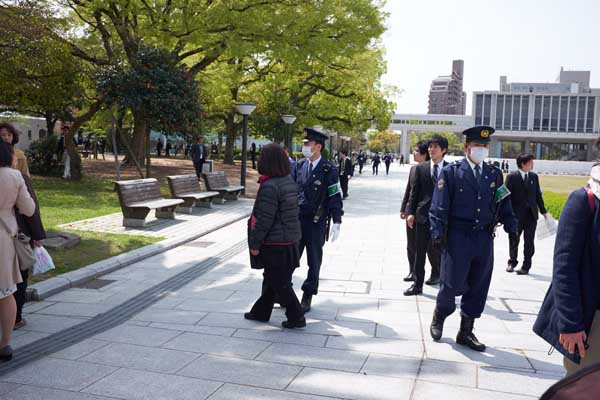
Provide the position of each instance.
(485, 133)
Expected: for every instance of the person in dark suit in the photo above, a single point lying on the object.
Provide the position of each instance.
(376, 161)
(199, 154)
(420, 155)
(253, 154)
(362, 157)
(419, 203)
(346, 170)
(526, 199)
(387, 159)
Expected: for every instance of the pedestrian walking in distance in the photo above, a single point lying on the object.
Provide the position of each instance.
(346, 171)
(387, 160)
(376, 160)
(273, 235)
(199, 154)
(469, 200)
(319, 199)
(526, 199)
(362, 158)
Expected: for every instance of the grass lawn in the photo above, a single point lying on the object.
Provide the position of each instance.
(556, 190)
(66, 201)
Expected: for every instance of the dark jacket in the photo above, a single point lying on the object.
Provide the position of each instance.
(574, 294)
(199, 152)
(421, 192)
(525, 197)
(408, 190)
(31, 226)
(275, 214)
(346, 168)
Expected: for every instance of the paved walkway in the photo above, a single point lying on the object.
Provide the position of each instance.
(364, 339)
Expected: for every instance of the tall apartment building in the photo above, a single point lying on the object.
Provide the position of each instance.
(554, 121)
(446, 95)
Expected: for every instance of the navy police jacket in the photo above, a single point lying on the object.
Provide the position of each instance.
(322, 184)
(574, 294)
(458, 202)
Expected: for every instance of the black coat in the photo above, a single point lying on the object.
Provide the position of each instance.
(409, 185)
(275, 216)
(525, 197)
(346, 168)
(197, 154)
(31, 226)
(421, 194)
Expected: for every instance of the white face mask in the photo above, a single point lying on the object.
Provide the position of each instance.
(307, 151)
(479, 154)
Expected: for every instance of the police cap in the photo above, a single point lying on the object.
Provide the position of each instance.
(479, 134)
(314, 135)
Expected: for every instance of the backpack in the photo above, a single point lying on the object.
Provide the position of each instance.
(583, 385)
(591, 199)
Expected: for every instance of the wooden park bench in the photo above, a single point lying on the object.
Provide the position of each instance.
(217, 182)
(138, 197)
(187, 188)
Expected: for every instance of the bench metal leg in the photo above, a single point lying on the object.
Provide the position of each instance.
(167, 212)
(204, 203)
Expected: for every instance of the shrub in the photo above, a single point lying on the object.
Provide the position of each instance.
(41, 157)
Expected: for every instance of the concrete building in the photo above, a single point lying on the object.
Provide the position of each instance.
(553, 121)
(446, 95)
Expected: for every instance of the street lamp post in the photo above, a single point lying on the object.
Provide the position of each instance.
(245, 109)
(289, 120)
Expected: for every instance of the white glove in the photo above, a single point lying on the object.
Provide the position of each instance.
(335, 232)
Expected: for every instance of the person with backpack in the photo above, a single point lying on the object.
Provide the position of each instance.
(569, 318)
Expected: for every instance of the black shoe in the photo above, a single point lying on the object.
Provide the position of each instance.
(305, 303)
(433, 280)
(409, 278)
(437, 325)
(466, 337)
(6, 354)
(511, 266)
(413, 290)
(522, 271)
(345, 197)
(301, 323)
(253, 317)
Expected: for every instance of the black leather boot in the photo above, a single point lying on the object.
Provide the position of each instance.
(305, 303)
(437, 325)
(466, 337)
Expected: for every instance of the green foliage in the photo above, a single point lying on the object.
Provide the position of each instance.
(383, 141)
(455, 146)
(41, 156)
(555, 202)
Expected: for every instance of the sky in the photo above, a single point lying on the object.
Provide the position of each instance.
(526, 40)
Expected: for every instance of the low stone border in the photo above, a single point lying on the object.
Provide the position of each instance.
(49, 287)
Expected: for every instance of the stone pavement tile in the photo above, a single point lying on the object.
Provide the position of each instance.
(395, 366)
(142, 385)
(137, 323)
(6, 387)
(75, 309)
(430, 390)
(35, 306)
(409, 348)
(317, 357)
(407, 331)
(550, 364)
(450, 373)
(514, 381)
(168, 303)
(218, 345)
(244, 372)
(339, 328)
(140, 335)
(24, 338)
(236, 306)
(377, 316)
(237, 392)
(89, 296)
(237, 320)
(351, 386)
(452, 324)
(448, 350)
(80, 349)
(40, 393)
(209, 330)
(514, 341)
(140, 357)
(409, 305)
(203, 293)
(58, 374)
(49, 323)
(284, 336)
(169, 316)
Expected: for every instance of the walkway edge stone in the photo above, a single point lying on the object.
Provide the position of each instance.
(49, 287)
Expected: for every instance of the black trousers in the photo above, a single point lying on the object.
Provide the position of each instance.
(277, 285)
(21, 295)
(410, 247)
(527, 229)
(387, 168)
(375, 169)
(313, 239)
(360, 167)
(344, 185)
(198, 166)
(424, 248)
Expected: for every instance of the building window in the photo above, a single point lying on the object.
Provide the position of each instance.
(42, 134)
(479, 109)
(546, 113)
(524, 112)
(487, 109)
(572, 113)
(589, 127)
(555, 102)
(511, 149)
(564, 105)
(499, 111)
(537, 115)
(559, 151)
(508, 104)
(516, 108)
(581, 113)
(29, 135)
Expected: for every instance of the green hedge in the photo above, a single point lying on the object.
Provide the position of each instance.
(555, 202)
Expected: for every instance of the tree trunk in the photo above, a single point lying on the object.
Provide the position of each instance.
(50, 123)
(230, 132)
(138, 140)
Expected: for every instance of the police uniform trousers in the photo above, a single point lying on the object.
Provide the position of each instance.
(344, 185)
(375, 169)
(527, 228)
(423, 247)
(387, 168)
(467, 265)
(313, 239)
(360, 166)
(279, 263)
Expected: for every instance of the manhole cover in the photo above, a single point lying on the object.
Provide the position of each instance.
(343, 286)
(94, 284)
(199, 244)
(521, 306)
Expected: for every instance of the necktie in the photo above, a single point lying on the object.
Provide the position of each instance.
(478, 174)
(435, 173)
(309, 169)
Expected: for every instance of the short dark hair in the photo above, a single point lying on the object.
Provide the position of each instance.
(273, 161)
(6, 154)
(523, 159)
(344, 152)
(439, 140)
(422, 148)
(11, 128)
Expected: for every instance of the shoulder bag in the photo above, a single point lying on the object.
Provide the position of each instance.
(23, 248)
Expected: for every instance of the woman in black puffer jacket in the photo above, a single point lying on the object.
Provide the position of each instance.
(273, 236)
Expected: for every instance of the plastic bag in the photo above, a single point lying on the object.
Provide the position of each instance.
(43, 261)
(546, 227)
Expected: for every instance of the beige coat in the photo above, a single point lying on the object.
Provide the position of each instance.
(21, 162)
(12, 192)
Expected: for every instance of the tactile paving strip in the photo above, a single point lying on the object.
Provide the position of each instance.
(117, 315)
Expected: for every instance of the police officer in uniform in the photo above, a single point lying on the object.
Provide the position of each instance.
(319, 199)
(467, 203)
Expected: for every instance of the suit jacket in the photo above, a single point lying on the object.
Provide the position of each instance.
(409, 185)
(525, 197)
(199, 152)
(346, 168)
(419, 201)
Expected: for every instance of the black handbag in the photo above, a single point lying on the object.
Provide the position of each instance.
(23, 250)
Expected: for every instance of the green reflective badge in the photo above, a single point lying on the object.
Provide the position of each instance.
(332, 190)
(501, 193)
